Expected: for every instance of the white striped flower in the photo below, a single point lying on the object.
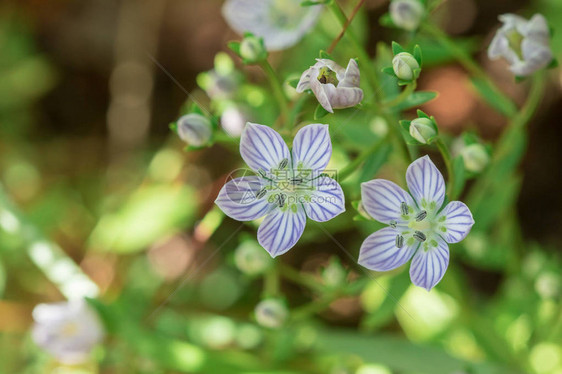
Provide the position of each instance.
(281, 23)
(333, 86)
(419, 225)
(524, 44)
(67, 330)
(289, 185)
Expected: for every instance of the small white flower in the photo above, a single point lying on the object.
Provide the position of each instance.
(423, 130)
(281, 23)
(523, 44)
(194, 129)
(405, 66)
(233, 121)
(406, 14)
(67, 330)
(333, 86)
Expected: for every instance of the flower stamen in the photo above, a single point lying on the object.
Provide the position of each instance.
(419, 236)
(404, 208)
(399, 241)
(421, 216)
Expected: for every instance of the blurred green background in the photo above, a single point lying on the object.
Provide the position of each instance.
(90, 171)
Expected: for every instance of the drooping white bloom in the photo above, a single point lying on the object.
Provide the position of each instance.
(419, 225)
(333, 86)
(523, 44)
(288, 187)
(67, 330)
(194, 129)
(406, 14)
(281, 23)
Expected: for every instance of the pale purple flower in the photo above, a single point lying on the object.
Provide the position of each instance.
(419, 226)
(67, 330)
(281, 23)
(524, 44)
(333, 86)
(289, 185)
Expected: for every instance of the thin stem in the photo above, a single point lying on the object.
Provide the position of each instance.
(303, 279)
(346, 25)
(399, 99)
(277, 88)
(353, 165)
(271, 287)
(467, 62)
(446, 154)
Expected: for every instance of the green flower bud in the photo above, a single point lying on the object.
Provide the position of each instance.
(404, 65)
(475, 157)
(271, 313)
(251, 259)
(252, 49)
(194, 129)
(423, 130)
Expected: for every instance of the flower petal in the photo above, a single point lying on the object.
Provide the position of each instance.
(382, 199)
(457, 222)
(537, 29)
(319, 90)
(304, 82)
(380, 253)
(428, 267)
(352, 77)
(326, 202)
(426, 183)
(280, 230)
(262, 147)
(312, 148)
(238, 199)
(343, 97)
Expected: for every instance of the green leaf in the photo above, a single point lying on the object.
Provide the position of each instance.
(320, 112)
(373, 164)
(460, 175)
(389, 70)
(418, 54)
(397, 48)
(416, 99)
(496, 99)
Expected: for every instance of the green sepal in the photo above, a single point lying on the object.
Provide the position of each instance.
(417, 73)
(422, 114)
(320, 112)
(405, 124)
(402, 82)
(293, 82)
(397, 48)
(386, 21)
(324, 54)
(173, 127)
(389, 71)
(553, 64)
(234, 47)
(418, 55)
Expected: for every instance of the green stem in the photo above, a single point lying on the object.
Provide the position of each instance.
(277, 88)
(353, 165)
(446, 154)
(399, 99)
(303, 279)
(271, 286)
(467, 62)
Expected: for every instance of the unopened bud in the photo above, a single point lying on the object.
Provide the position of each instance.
(475, 157)
(406, 14)
(423, 130)
(404, 66)
(251, 259)
(334, 274)
(252, 49)
(271, 313)
(194, 129)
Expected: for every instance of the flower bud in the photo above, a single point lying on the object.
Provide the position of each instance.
(251, 259)
(475, 157)
(423, 130)
(406, 14)
(194, 129)
(404, 65)
(271, 313)
(252, 49)
(334, 274)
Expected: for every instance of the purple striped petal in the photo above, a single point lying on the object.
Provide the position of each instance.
(428, 267)
(262, 147)
(426, 183)
(312, 148)
(380, 253)
(457, 222)
(382, 200)
(326, 202)
(319, 90)
(281, 230)
(237, 199)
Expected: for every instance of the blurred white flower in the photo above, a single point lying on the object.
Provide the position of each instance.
(281, 23)
(523, 44)
(271, 313)
(233, 121)
(333, 86)
(475, 157)
(194, 129)
(406, 14)
(67, 330)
